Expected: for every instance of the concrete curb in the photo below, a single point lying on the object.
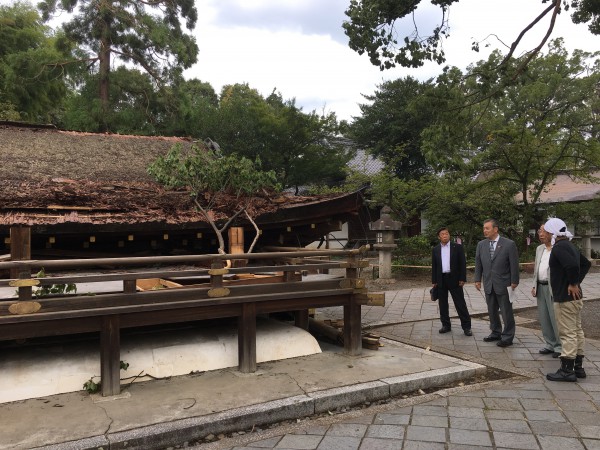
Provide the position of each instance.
(160, 436)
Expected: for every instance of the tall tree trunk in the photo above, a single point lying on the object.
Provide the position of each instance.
(104, 85)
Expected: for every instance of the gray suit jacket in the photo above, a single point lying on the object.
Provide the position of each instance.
(500, 272)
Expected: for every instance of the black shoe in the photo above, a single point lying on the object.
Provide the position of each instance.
(445, 330)
(468, 332)
(555, 354)
(545, 351)
(504, 343)
(491, 338)
(565, 373)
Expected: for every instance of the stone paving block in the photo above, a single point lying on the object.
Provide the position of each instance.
(502, 403)
(430, 421)
(502, 393)
(339, 443)
(541, 395)
(574, 395)
(470, 437)
(515, 440)
(471, 413)
(464, 423)
(511, 426)
(553, 428)
(426, 410)
(588, 431)
(548, 416)
(539, 404)
(592, 444)
(468, 402)
(417, 445)
(465, 447)
(427, 434)
(391, 419)
(347, 429)
(559, 443)
(503, 414)
(386, 431)
(380, 444)
(299, 441)
(582, 417)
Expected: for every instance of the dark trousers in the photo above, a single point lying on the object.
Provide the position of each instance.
(499, 305)
(458, 297)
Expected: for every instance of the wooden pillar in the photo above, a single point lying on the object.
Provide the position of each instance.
(301, 319)
(20, 249)
(110, 355)
(236, 245)
(352, 328)
(352, 316)
(247, 338)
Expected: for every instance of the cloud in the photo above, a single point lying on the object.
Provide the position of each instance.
(320, 17)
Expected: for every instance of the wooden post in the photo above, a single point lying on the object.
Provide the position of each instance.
(247, 338)
(236, 245)
(110, 355)
(301, 318)
(20, 249)
(129, 286)
(352, 316)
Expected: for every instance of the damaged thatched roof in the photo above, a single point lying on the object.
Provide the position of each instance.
(51, 177)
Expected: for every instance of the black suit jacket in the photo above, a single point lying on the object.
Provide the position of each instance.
(458, 265)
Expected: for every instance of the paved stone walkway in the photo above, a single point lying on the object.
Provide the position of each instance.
(523, 413)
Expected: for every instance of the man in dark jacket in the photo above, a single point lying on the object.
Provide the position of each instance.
(568, 268)
(449, 274)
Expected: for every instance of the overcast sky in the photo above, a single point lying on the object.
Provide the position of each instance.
(298, 47)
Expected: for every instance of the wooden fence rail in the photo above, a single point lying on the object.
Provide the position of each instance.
(218, 295)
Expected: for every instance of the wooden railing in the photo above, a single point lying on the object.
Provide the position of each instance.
(218, 295)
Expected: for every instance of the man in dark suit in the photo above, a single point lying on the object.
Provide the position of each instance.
(449, 274)
(497, 260)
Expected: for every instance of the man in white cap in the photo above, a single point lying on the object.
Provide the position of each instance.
(568, 267)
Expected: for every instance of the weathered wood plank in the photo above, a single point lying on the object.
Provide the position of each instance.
(247, 338)
(110, 355)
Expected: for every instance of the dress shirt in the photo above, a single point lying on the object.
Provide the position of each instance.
(544, 267)
(445, 258)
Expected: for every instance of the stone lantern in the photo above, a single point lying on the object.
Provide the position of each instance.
(386, 229)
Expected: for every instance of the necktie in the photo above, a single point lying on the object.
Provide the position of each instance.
(491, 249)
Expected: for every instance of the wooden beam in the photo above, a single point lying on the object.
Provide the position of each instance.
(110, 355)
(247, 338)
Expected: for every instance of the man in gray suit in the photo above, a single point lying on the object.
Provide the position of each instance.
(497, 260)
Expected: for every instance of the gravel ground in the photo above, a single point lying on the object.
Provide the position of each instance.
(590, 319)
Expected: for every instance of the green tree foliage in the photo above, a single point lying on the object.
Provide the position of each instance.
(386, 29)
(300, 148)
(520, 141)
(146, 34)
(31, 86)
(495, 158)
(391, 124)
(213, 179)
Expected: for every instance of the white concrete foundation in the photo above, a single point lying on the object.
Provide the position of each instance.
(30, 371)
